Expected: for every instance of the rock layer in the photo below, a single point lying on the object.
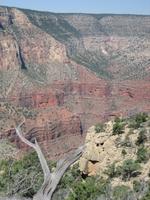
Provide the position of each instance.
(71, 71)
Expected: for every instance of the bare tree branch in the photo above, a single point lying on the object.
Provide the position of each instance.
(37, 148)
(51, 180)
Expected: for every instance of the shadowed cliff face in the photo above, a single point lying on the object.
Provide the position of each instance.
(72, 70)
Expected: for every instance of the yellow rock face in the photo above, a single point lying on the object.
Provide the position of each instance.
(101, 150)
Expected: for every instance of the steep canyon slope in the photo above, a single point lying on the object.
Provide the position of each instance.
(65, 72)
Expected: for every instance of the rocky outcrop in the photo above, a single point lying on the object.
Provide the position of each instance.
(107, 148)
(100, 152)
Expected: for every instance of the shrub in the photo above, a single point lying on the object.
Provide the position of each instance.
(130, 168)
(141, 137)
(119, 120)
(4, 176)
(136, 186)
(142, 155)
(141, 117)
(88, 189)
(118, 171)
(121, 192)
(27, 172)
(138, 120)
(111, 171)
(99, 128)
(118, 127)
(70, 176)
(147, 196)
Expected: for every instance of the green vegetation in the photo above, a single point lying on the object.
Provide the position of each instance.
(22, 176)
(118, 126)
(25, 178)
(129, 168)
(147, 195)
(136, 186)
(111, 171)
(121, 192)
(137, 120)
(94, 61)
(88, 189)
(99, 128)
(27, 172)
(142, 155)
(70, 177)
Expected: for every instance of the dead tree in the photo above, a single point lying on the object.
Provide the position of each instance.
(51, 179)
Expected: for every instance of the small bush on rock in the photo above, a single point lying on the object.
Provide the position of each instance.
(121, 192)
(136, 186)
(111, 171)
(99, 128)
(118, 126)
(137, 120)
(142, 155)
(130, 168)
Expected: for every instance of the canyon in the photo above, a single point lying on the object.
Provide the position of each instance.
(66, 72)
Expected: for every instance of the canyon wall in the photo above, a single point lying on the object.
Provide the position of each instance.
(66, 72)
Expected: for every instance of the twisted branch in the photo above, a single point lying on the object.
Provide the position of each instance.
(51, 180)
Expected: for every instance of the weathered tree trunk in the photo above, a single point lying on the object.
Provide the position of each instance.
(51, 180)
